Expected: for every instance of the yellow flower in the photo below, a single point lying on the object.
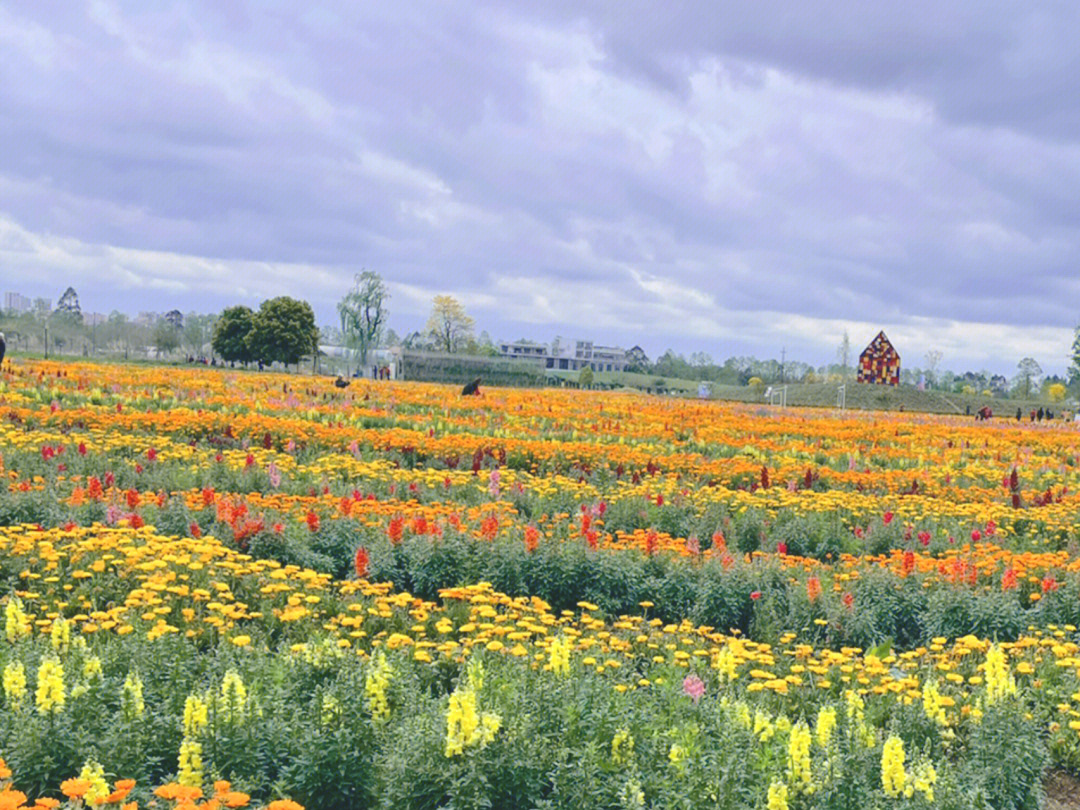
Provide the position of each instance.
(196, 715)
(375, 685)
(94, 774)
(190, 770)
(50, 687)
(999, 681)
(799, 758)
(826, 722)
(233, 697)
(776, 798)
(622, 746)
(132, 696)
(559, 651)
(16, 622)
(893, 775)
(15, 683)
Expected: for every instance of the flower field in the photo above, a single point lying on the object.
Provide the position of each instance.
(225, 589)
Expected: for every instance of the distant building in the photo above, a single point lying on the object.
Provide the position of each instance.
(14, 302)
(147, 319)
(524, 350)
(42, 306)
(564, 357)
(879, 363)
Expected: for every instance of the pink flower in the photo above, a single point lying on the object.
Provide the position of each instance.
(887, 518)
(693, 687)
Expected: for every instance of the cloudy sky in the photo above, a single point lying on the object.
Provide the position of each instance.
(728, 177)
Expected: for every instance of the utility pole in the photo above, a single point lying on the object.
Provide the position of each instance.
(783, 357)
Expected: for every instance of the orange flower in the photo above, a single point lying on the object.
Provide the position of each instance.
(74, 788)
(12, 799)
(284, 804)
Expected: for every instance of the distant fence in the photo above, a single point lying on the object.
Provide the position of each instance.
(461, 368)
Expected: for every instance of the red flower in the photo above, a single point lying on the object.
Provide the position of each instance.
(194, 530)
(82, 448)
(136, 521)
(813, 588)
(755, 595)
(652, 541)
(1049, 583)
(848, 599)
(924, 537)
(532, 538)
(132, 496)
(976, 535)
(361, 562)
(151, 454)
(1009, 580)
(312, 521)
(395, 529)
(887, 518)
(781, 548)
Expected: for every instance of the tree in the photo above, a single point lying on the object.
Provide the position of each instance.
(166, 337)
(448, 325)
(283, 331)
(363, 313)
(843, 354)
(1074, 366)
(1056, 392)
(933, 360)
(198, 329)
(1028, 373)
(231, 334)
(585, 377)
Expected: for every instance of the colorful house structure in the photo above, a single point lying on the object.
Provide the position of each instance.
(879, 363)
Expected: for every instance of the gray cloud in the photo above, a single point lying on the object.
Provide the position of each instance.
(756, 163)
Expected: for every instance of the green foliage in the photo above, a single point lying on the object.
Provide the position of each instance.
(231, 334)
(283, 331)
(363, 313)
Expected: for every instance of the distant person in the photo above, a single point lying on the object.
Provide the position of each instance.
(967, 410)
(341, 382)
(1019, 414)
(3, 347)
(1032, 414)
(471, 389)
(1039, 414)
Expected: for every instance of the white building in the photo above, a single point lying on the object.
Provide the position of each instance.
(15, 302)
(564, 357)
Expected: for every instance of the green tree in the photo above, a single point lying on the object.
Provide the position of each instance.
(363, 313)
(448, 325)
(166, 337)
(198, 330)
(1074, 356)
(231, 334)
(585, 377)
(1028, 374)
(283, 331)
